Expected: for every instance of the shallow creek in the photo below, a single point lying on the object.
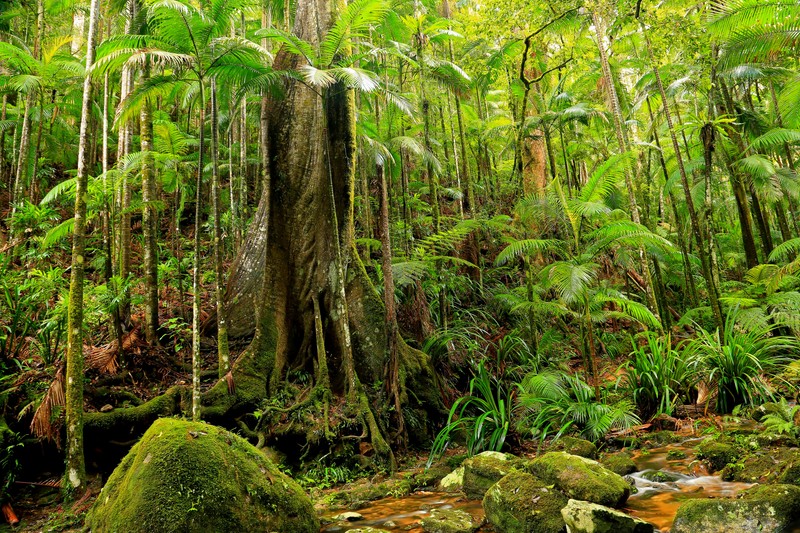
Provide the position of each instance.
(655, 502)
(404, 514)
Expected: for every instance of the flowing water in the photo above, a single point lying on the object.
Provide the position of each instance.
(656, 501)
(404, 514)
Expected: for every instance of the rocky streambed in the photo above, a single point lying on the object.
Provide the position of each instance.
(697, 485)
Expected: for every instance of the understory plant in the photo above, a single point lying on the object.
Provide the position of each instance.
(784, 419)
(483, 416)
(556, 403)
(657, 376)
(739, 362)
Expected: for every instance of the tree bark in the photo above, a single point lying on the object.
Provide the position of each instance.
(309, 269)
(149, 217)
(223, 351)
(75, 465)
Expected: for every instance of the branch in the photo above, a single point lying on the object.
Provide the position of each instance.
(548, 71)
(522, 77)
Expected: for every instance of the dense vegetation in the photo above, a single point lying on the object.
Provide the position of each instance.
(412, 221)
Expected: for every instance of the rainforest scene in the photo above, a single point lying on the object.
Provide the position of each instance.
(375, 266)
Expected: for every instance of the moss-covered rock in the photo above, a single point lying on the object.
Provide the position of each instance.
(188, 476)
(574, 446)
(763, 466)
(717, 454)
(763, 508)
(358, 494)
(660, 476)
(581, 478)
(449, 521)
(429, 477)
(619, 463)
(659, 438)
(484, 470)
(791, 474)
(765, 439)
(675, 455)
(520, 503)
(453, 482)
(585, 517)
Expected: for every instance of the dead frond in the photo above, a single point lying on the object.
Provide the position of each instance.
(229, 380)
(43, 425)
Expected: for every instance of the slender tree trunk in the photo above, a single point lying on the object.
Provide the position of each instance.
(696, 228)
(23, 161)
(196, 361)
(393, 365)
(149, 218)
(622, 139)
(223, 351)
(681, 235)
(124, 148)
(75, 465)
(116, 324)
(433, 178)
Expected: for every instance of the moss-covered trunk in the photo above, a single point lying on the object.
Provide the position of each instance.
(75, 467)
(301, 240)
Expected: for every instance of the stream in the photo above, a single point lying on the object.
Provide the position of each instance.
(656, 501)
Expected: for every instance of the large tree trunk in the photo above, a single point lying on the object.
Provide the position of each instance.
(314, 280)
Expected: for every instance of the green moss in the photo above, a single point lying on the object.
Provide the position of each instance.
(763, 508)
(449, 521)
(429, 477)
(585, 517)
(762, 466)
(187, 476)
(674, 455)
(520, 503)
(574, 446)
(357, 495)
(659, 438)
(484, 470)
(581, 478)
(619, 463)
(659, 476)
(717, 454)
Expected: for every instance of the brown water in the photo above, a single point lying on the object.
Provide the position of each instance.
(404, 514)
(657, 502)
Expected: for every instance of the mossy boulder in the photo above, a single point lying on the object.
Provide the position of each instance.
(449, 521)
(717, 454)
(189, 476)
(484, 470)
(586, 517)
(659, 438)
(453, 482)
(660, 476)
(765, 439)
(676, 455)
(764, 466)
(581, 478)
(430, 477)
(764, 508)
(520, 503)
(360, 493)
(619, 463)
(574, 446)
